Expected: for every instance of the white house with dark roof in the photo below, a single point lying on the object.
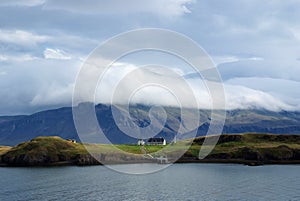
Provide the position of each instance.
(157, 141)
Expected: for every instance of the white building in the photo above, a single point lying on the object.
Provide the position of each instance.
(72, 140)
(141, 142)
(157, 141)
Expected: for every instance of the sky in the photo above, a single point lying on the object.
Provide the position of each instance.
(255, 45)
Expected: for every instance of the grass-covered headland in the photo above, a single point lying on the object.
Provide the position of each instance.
(250, 149)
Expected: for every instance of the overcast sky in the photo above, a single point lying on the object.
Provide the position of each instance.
(255, 44)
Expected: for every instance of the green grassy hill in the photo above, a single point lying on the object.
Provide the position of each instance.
(256, 148)
(244, 148)
(43, 150)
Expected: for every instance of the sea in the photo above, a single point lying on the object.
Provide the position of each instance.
(177, 182)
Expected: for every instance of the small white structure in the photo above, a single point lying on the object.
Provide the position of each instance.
(141, 143)
(162, 160)
(71, 140)
(157, 141)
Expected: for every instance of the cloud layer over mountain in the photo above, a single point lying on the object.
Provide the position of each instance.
(255, 45)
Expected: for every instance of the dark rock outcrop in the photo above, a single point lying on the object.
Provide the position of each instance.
(87, 159)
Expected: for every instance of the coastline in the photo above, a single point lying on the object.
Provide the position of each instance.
(248, 163)
(245, 149)
(183, 161)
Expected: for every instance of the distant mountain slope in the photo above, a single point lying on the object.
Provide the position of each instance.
(59, 122)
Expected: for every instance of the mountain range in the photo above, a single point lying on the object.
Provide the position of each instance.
(59, 122)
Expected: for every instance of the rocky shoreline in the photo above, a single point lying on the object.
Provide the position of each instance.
(93, 162)
(88, 160)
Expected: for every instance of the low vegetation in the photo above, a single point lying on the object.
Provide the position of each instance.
(244, 148)
(4, 149)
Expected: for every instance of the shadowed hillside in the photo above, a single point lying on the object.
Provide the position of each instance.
(59, 122)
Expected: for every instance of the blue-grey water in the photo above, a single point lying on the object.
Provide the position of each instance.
(178, 182)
